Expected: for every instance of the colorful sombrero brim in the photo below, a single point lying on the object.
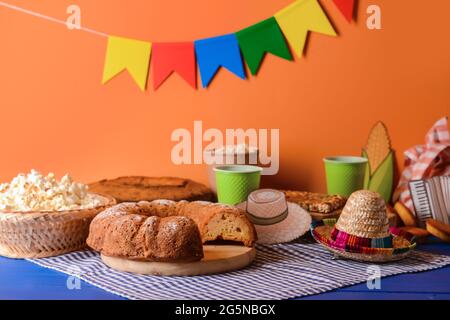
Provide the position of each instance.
(402, 244)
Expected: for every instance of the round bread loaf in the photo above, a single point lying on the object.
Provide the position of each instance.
(167, 231)
(135, 188)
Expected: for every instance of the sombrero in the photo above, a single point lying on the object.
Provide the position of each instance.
(362, 231)
(275, 219)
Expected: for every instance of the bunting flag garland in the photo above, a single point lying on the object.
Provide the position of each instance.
(287, 29)
(259, 39)
(347, 8)
(173, 57)
(299, 18)
(217, 52)
(127, 54)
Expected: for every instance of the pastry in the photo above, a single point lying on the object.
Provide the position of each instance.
(320, 206)
(438, 229)
(320, 216)
(134, 189)
(420, 234)
(167, 231)
(405, 215)
(217, 221)
(316, 202)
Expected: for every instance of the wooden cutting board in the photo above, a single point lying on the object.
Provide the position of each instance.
(218, 259)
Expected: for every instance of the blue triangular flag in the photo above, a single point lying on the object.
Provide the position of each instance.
(213, 53)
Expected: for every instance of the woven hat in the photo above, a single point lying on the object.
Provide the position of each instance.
(362, 231)
(275, 219)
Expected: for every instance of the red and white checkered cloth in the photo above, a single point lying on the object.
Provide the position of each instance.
(425, 161)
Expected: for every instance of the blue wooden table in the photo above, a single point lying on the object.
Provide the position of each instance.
(20, 279)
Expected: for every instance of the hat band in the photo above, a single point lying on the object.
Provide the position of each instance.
(344, 240)
(268, 221)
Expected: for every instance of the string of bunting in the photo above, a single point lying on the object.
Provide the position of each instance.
(287, 29)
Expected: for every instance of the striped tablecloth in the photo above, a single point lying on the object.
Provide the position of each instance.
(279, 272)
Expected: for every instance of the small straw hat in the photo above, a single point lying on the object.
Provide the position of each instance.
(362, 231)
(275, 219)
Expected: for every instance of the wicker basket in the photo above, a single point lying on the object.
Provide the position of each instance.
(46, 234)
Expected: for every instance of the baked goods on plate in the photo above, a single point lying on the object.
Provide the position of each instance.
(320, 206)
(217, 221)
(145, 231)
(42, 217)
(419, 234)
(405, 215)
(161, 229)
(167, 232)
(438, 229)
(134, 189)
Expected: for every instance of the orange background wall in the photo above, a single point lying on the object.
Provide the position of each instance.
(56, 116)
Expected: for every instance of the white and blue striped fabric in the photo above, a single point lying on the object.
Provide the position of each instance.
(279, 272)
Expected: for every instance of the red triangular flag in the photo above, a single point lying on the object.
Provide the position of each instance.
(173, 57)
(346, 7)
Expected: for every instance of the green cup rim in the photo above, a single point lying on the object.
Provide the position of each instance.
(238, 169)
(345, 160)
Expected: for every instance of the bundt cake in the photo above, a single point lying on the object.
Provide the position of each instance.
(167, 231)
(135, 231)
(135, 188)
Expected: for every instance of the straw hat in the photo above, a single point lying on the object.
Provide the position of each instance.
(275, 219)
(362, 231)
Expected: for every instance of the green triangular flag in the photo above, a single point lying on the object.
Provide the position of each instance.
(255, 41)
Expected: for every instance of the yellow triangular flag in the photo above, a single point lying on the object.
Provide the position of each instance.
(127, 54)
(299, 18)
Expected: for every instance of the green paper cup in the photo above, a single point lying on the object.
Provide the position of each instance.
(235, 182)
(345, 175)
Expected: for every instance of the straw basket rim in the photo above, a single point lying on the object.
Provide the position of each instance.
(42, 234)
(108, 201)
